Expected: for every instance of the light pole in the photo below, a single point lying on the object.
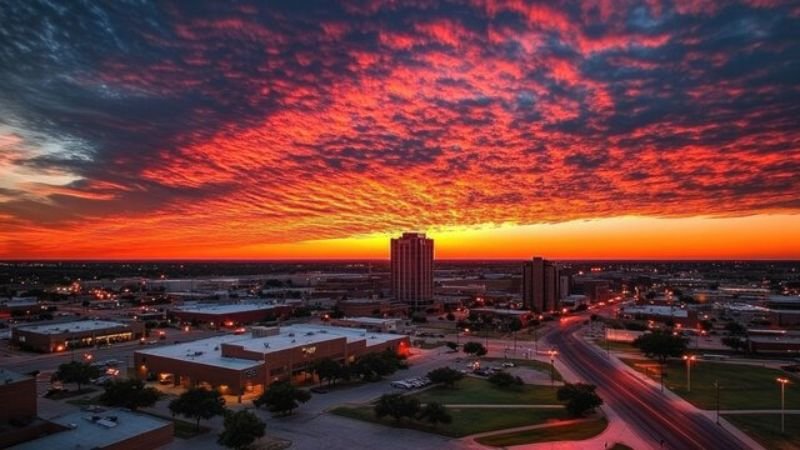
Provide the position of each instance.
(689, 360)
(783, 382)
(716, 388)
(552, 353)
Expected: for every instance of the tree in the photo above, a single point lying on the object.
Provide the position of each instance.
(474, 348)
(661, 345)
(282, 398)
(515, 325)
(735, 342)
(241, 429)
(77, 372)
(736, 329)
(580, 398)
(435, 413)
(504, 380)
(327, 369)
(445, 375)
(374, 366)
(451, 345)
(198, 403)
(396, 406)
(130, 393)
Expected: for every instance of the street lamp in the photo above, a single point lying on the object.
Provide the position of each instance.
(689, 360)
(783, 382)
(552, 353)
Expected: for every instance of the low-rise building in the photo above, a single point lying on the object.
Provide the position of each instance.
(60, 336)
(230, 315)
(243, 364)
(378, 324)
(20, 391)
(361, 307)
(113, 429)
(524, 316)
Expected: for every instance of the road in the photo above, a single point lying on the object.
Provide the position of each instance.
(638, 403)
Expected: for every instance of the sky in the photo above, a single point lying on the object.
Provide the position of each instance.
(320, 129)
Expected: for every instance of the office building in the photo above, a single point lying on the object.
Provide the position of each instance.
(540, 285)
(53, 337)
(246, 364)
(412, 269)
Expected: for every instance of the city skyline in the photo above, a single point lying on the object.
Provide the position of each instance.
(591, 130)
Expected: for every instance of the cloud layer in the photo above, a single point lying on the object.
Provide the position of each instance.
(175, 125)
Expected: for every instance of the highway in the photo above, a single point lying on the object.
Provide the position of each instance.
(641, 405)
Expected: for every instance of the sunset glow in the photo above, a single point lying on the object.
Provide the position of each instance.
(503, 129)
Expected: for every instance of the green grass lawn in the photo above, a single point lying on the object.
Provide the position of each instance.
(742, 386)
(476, 391)
(466, 421)
(576, 432)
(70, 394)
(543, 367)
(766, 429)
(183, 428)
(85, 401)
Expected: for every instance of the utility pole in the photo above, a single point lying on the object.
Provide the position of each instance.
(716, 387)
(783, 382)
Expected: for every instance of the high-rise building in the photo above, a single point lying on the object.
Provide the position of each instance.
(412, 269)
(540, 285)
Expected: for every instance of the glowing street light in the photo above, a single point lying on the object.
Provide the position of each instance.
(689, 360)
(783, 382)
(552, 352)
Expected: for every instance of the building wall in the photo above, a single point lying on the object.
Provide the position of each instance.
(19, 399)
(412, 269)
(190, 373)
(146, 441)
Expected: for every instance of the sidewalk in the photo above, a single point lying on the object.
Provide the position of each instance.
(527, 427)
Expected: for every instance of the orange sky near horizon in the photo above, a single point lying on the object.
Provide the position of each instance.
(769, 237)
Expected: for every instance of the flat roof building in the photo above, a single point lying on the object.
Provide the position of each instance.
(60, 336)
(244, 364)
(20, 391)
(378, 324)
(114, 429)
(230, 314)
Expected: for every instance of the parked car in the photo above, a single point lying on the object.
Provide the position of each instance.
(509, 364)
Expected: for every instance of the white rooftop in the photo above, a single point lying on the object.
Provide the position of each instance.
(375, 320)
(656, 310)
(204, 351)
(209, 351)
(85, 433)
(8, 376)
(226, 309)
(71, 327)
